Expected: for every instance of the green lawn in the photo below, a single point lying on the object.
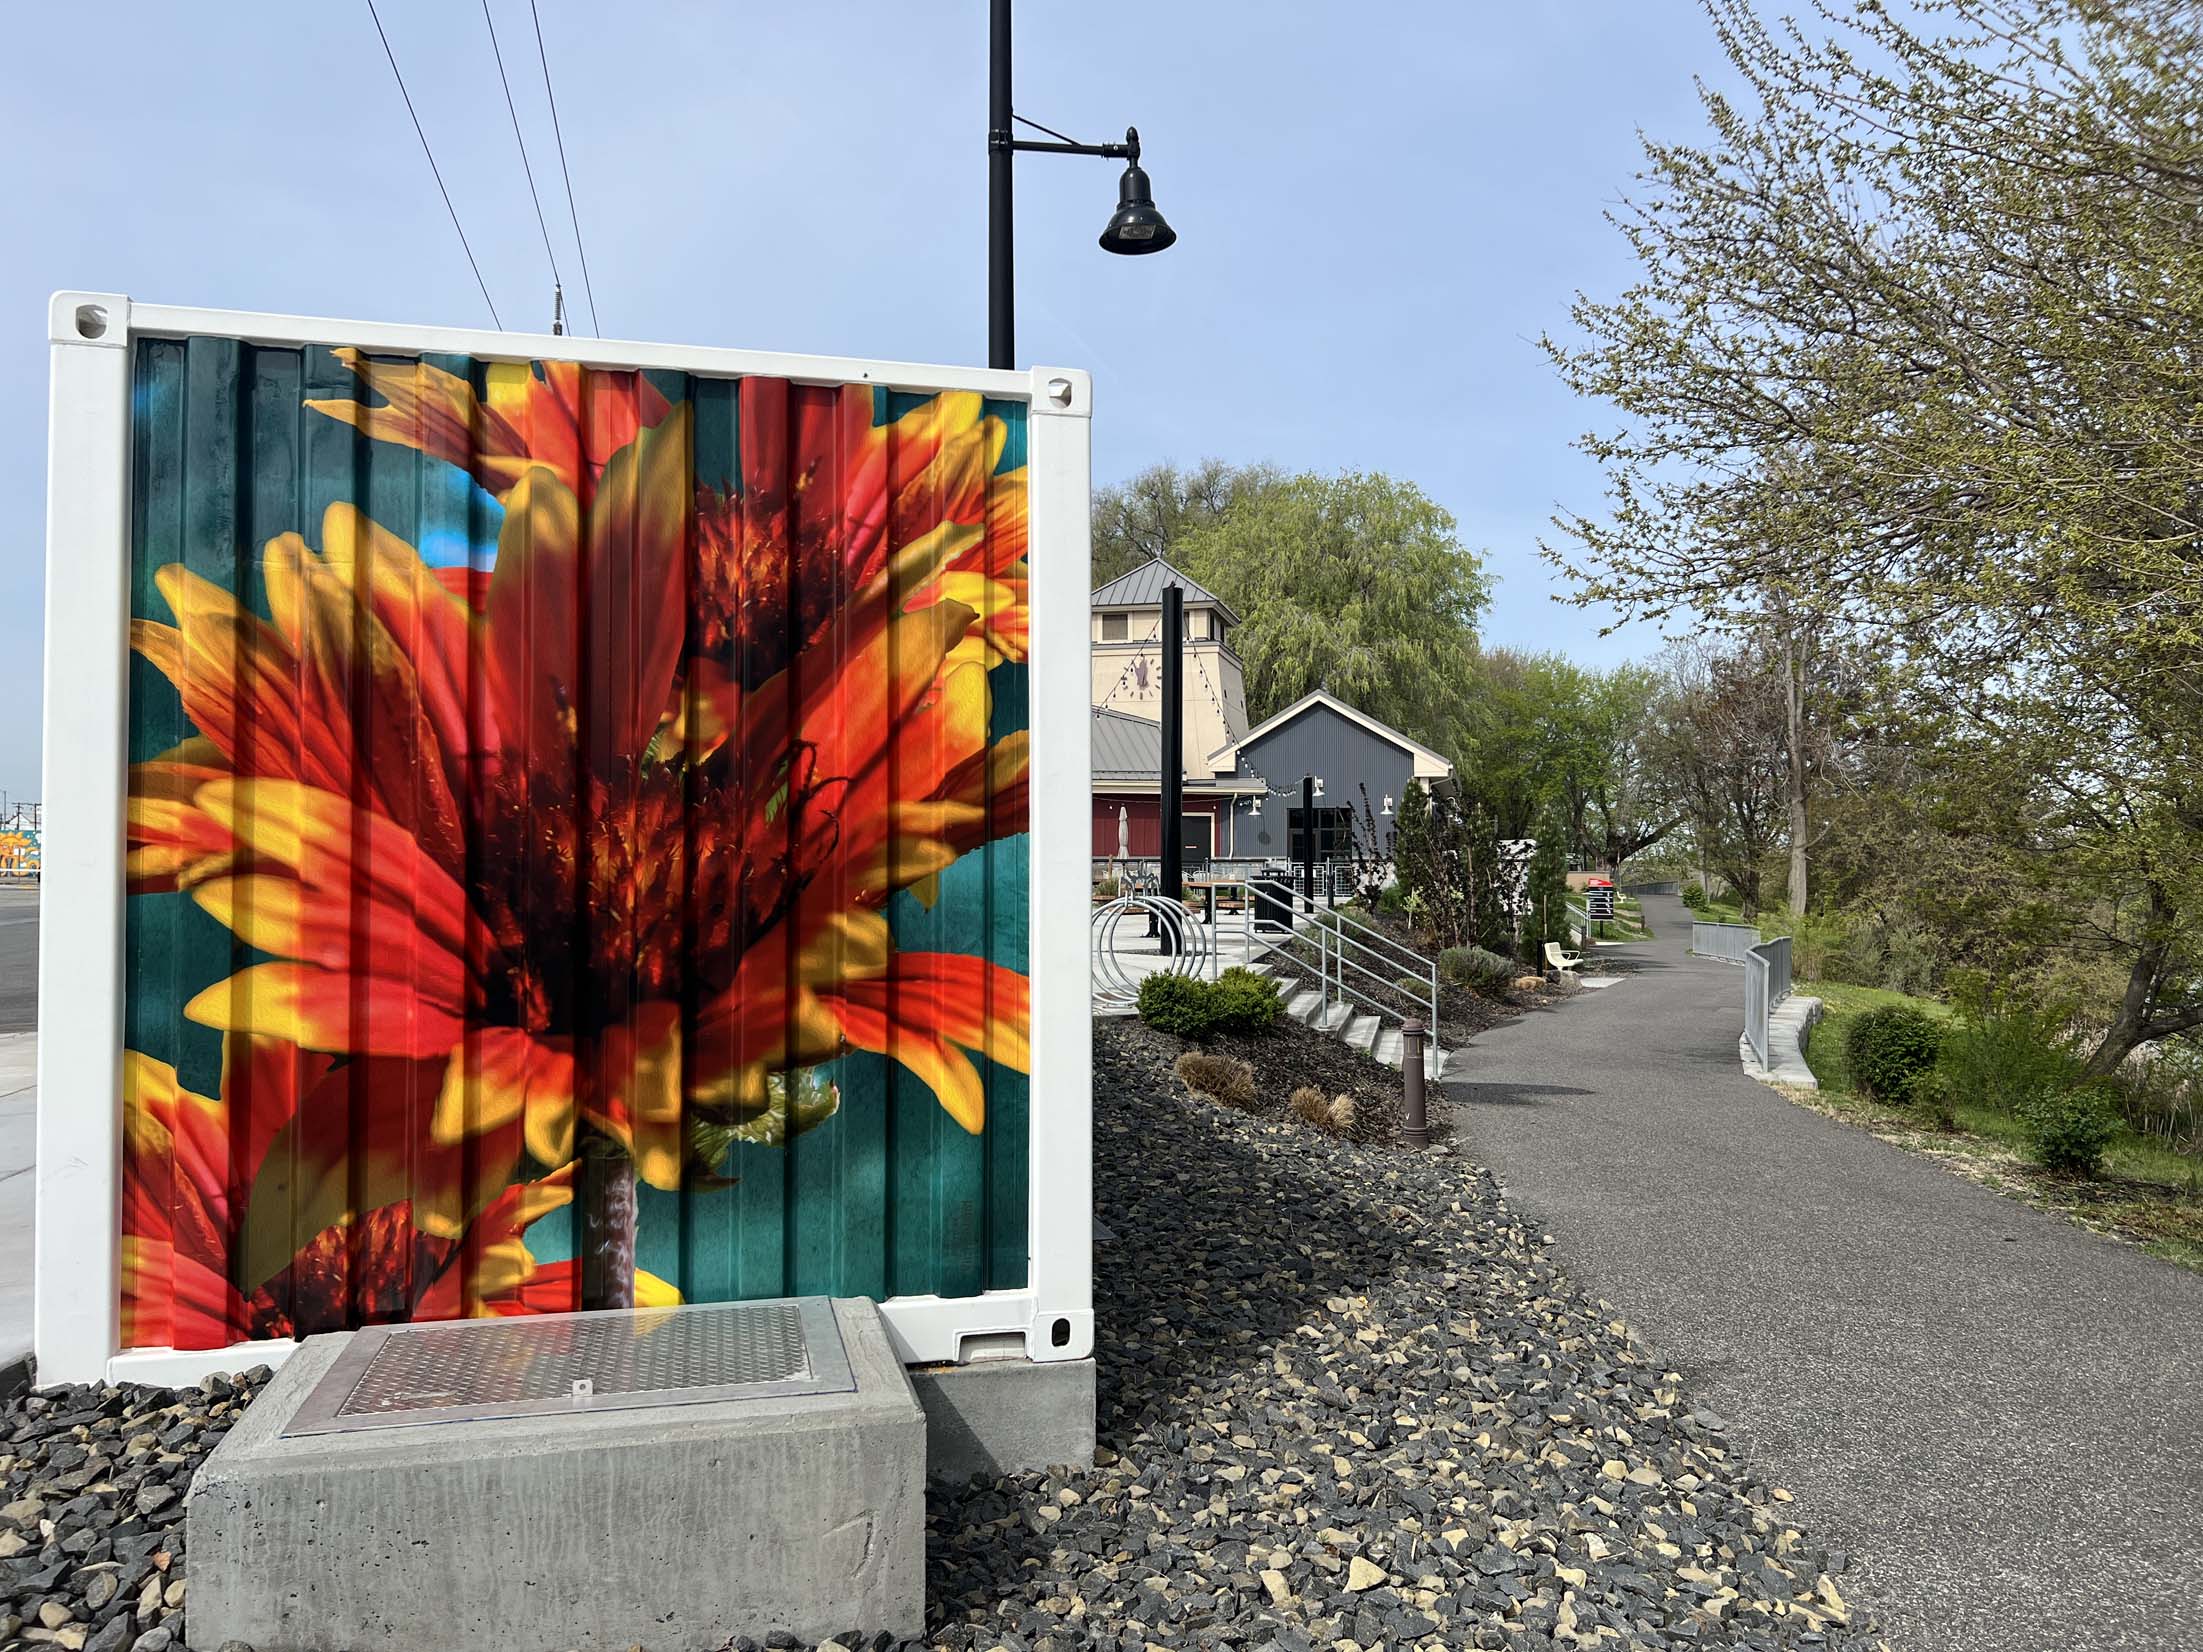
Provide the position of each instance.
(2147, 1192)
(1725, 911)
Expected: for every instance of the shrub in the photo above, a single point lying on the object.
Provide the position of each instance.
(1340, 1118)
(1246, 1002)
(1473, 966)
(2005, 1052)
(1822, 948)
(1910, 962)
(1694, 896)
(1238, 1001)
(1175, 1004)
(1888, 1048)
(1932, 1093)
(1218, 1077)
(1526, 983)
(2071, 1128)
(1106, 887)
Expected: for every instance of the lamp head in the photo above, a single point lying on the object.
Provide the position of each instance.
(1136, 227)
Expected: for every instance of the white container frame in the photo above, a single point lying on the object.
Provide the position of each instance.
(77, 1314)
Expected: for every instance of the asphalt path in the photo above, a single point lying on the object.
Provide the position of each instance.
(1998, 1415)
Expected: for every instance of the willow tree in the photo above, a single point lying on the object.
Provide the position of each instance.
(1913, 348)
(1357, 583)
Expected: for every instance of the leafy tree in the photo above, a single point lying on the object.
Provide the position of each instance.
(1539, 727)
(1721, 741)
(1150, 515)
(1911, 350)
(1355, 583)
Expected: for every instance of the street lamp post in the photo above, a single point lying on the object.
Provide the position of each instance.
(1135, 228)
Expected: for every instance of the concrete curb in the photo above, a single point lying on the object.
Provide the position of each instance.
(1789, 1024)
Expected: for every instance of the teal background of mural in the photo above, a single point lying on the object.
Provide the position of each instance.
(890, 1197)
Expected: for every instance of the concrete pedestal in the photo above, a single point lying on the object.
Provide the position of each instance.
(678, 1525)
(1007, 1416)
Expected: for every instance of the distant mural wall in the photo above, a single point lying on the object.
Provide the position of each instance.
(576, 845)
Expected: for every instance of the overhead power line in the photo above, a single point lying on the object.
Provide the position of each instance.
(527, 171)
(543, 58)
(433, 167)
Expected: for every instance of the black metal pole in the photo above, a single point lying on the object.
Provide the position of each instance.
(1308, 837)
(1001, 294)
(1173, 776)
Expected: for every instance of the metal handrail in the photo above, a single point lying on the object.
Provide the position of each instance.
(1400, 955)
(1766, 985)
(1400, 951)
(1332, 962)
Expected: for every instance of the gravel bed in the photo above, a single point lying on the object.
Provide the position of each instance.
(1347, 1402)
(91, 1531)
(1128, 1051)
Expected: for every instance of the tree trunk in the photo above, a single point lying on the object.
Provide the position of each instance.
(606, 1177)
(1794, 708)
(2130, 1027)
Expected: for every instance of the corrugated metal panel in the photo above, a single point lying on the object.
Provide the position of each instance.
(1143, 588)
(1126, 748)
(576, 841)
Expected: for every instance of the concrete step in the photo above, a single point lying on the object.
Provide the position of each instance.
(1387, 1046)
(1362, 1033)
(1336, 1017)
(1304, 1005)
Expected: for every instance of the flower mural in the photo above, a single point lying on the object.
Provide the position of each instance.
(560, 873)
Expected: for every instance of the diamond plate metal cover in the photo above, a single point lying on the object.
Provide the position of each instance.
(544, 1365)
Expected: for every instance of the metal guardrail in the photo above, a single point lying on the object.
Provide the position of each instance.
(1766, 984)
(1728, 942)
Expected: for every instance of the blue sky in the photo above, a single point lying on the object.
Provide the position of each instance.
(1379, 209)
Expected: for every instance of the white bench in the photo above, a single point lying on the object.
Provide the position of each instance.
(1561, 959)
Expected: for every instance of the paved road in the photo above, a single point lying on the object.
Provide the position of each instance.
(18, 959)
(1999, 1415)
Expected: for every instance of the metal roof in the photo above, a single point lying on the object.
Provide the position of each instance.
(1143, 588)
(1126, 747)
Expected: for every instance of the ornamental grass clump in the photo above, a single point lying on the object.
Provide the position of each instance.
(1333, 1115)
(1888, 1048)
(1218, 1077)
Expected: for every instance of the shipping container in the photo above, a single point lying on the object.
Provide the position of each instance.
(536, 823)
